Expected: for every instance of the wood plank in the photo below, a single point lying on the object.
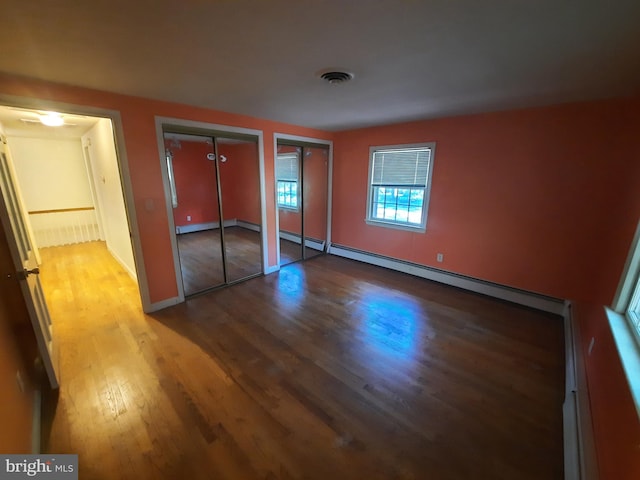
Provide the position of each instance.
(328, 368)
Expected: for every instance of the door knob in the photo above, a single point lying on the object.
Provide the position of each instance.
(24, 273)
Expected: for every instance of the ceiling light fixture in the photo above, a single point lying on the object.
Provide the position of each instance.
(334, 76)
(52, 119)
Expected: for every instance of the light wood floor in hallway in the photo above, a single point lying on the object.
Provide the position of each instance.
(329, 369)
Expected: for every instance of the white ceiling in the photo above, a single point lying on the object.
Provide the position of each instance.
(411, 59)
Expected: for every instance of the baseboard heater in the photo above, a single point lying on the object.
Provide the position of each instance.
(579, 444)
(309, 242)
(199, 227)
(196, 227)
(503, 292)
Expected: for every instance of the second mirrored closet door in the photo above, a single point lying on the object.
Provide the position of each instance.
(215, 191)
(302, 179)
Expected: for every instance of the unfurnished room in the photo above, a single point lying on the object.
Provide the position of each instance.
(309, 240)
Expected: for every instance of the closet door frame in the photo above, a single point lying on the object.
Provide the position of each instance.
(177, 125)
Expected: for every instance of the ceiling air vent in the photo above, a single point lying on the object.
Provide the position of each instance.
(335, 77)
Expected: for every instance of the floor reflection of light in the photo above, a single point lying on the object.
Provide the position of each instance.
(391, 323)
(291, 287)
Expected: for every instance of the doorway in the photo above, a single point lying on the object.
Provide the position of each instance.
(214, 184)
(67, 169)
(68, 192)
(302, 198)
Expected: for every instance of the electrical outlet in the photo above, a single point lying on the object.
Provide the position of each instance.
(188, 218)
(591, 344)
(440, 257)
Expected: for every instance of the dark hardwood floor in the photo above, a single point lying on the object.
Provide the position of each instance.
(329, 369)
(292, 252)
(201, 257)
(289, 252)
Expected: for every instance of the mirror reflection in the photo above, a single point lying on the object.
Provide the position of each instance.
(216, 208)
(302, 176)
(240, 186)
(289, 203)
(315, 193)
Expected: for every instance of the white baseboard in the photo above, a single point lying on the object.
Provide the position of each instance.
(196, 227)
(248, 225)
(521, 297)
(579, 445)
(570, 438)
(232, 222)
(309, 242)
(169, 302)
(272, 269)
(122, 263)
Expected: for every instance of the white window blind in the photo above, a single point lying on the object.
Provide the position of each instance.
(287, 167)
(402, 167)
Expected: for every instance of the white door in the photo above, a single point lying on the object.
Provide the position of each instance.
(26, 269)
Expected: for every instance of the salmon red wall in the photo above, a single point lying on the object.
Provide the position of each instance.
(195, 180)
(138, 122)
(240, 179)
(615, 421)
(315, 183)
(536, 199)
(316, 171)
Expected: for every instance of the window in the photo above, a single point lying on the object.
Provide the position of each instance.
(172, 182)
(627, 299)
(287, 180)
(633, 311)
(624, 319)
(399, 185)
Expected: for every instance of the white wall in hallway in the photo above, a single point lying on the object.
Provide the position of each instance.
(99, 144)
(52, 176)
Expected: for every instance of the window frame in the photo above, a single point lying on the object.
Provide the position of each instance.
(171, 177)
(395, 224)
(297, 183)
(624, 316)
(627, 299)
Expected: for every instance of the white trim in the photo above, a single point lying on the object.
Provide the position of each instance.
(580, 460)
(126, 267)
(329, 193)
(169, 302)
(123, 167)
(570, 439)
(291, 237)
(298, 138)
(196, 227)
(630, 275)
(232, 222)
(369, 220)
(218, 129)
(264, 229)
(169, 210)
(247, 225)
(36, 422)
(521, 297)
(272, 269)
(629, 352)
(309, 242)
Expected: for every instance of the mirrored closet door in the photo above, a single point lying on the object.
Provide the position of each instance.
(302, 176)
(215, 195)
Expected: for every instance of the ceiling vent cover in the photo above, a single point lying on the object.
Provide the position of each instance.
(335, 77)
